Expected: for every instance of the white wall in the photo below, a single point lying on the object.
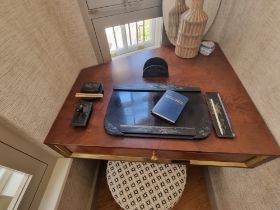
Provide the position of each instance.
(248, 33)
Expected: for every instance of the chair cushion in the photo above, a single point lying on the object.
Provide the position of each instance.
(140, 185)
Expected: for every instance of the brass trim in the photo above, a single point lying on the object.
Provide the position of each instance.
(116, 157)
(218, 163)
(127, 158)
(89, 95)
(247, 164)
(107, 157)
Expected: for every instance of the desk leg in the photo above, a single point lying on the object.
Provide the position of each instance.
(61, 150)
(258, 160)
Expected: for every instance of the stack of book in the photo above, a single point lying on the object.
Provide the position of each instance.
(91, 90)
(170, 106)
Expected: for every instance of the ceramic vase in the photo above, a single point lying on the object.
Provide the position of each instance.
(190, 32)
(174, 19)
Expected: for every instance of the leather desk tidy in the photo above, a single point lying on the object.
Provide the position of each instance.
(129, 113)
(155, 67)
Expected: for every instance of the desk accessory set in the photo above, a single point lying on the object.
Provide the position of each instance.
(157, 110)
(84, 108)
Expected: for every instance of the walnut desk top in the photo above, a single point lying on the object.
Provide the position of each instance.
(253, 145)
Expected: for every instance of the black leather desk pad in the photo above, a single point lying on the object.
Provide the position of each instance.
(129, 113)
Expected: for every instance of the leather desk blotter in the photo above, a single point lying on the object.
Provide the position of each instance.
(129, 113)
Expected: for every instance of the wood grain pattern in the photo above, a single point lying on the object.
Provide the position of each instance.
(195, 196)
(212, 73)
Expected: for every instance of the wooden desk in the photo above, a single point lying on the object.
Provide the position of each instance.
(253, 145)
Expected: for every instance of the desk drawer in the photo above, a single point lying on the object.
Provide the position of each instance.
(212, 159)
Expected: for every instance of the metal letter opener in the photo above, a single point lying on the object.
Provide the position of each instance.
(219, 116)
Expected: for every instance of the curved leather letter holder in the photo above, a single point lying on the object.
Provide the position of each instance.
(155, 67)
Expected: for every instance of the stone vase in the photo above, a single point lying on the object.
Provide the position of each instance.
(174, 19)
(190, 32)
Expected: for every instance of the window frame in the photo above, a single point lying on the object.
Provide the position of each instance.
(154, 41)
(97, 22)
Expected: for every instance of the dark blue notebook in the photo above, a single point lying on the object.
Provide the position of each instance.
(170, 106)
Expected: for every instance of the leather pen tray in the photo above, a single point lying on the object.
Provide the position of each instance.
(129, 113)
